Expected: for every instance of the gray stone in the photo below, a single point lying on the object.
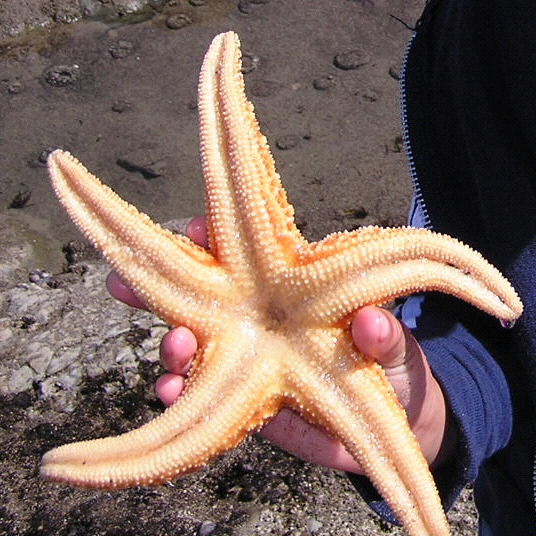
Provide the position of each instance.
(26, 244)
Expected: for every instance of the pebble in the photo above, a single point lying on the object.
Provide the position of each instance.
(78, 251)
(244, 6)
(370, 95)
(42, 157)
(63, 359)
(288, 141)
(120, 106)
(197, 3)
(39, 357)
(351, 59)
(20, 380)
(250, 62)
(121, 49)
(206, 528)
(178, 21)
(40, 277)
(353, 213)
(138, 161)
(21, 199)
(324, 82)
(313, 525)
(15, 88)
(394, 72)
(62, 75)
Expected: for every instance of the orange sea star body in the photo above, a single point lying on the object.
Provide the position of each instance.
(270, 311)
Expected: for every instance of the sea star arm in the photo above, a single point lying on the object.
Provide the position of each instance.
(374, 265)
(143, 253)
(363, 413)
(231, 391)
(245, 198)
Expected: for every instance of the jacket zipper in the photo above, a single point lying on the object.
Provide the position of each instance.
(417, 192)
(534, 483)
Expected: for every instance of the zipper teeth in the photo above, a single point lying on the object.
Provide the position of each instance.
(417, 192)
(534, 481)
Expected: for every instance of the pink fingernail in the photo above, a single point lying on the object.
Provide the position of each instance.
(384, 327)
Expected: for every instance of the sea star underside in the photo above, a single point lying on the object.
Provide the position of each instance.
(270, 310)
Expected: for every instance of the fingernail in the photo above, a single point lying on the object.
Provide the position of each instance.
(385, 329)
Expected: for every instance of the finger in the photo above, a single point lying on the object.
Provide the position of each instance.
(293, 434)
(176, 353)
(177, 349)
(197, 231)
(117, 288)
(169, 387)
(378, 334)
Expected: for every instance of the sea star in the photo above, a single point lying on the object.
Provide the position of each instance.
(270, 311)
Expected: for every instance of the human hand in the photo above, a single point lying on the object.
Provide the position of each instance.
(376, 333)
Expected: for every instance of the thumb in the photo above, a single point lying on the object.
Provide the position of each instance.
(378, 334)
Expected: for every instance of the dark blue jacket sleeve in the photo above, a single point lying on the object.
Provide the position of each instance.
(475, 389)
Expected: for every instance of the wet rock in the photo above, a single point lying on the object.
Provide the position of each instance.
(250, 62)
(324, 82)
(141, 162)
(121, 49)
(21, 199)
(120, 106)
(357, 213)
(394, 72)
(26, 243)
(14, 88)
(206, 528)
(18, 17)
(351, 59)
(371, 95)
(313, 525)
(79, 251)
(289, 141)
(113, 10)
(62, 75)
(246, 6)
(178, 21)
(56, 337)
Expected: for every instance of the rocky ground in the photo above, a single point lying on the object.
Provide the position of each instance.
(119, 91)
